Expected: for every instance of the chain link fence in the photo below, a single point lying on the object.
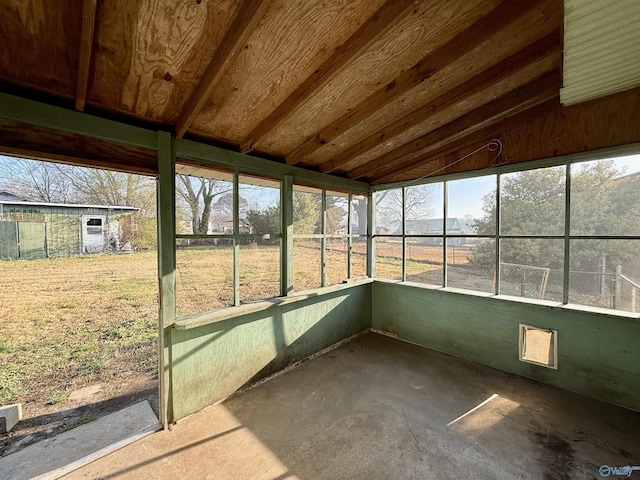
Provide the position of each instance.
(628, 294)
(598, 289)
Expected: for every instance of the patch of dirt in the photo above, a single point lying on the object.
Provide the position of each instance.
(45, 421)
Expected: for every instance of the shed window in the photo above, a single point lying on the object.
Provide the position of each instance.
(94, 226)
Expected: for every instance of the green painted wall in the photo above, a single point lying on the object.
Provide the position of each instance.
(598, 354)
(212, 361)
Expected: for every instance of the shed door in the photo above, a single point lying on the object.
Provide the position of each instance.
(32, 238)
(8, 240)
(93, 233)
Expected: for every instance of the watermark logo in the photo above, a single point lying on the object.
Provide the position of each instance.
(606, 470)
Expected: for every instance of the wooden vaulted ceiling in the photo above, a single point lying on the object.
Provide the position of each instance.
(379, 90)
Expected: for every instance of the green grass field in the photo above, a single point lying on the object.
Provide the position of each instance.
(71, 322)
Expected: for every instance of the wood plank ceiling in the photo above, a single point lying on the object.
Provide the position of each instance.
(370, 89)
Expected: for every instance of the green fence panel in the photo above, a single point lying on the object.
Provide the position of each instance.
(32, 240)
(8, 240)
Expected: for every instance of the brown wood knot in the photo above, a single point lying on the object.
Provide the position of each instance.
(168, 77)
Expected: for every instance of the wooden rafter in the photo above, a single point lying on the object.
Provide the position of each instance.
(501, 16)
(369, 32)
(86, 44)
(247, 17)
(491, 76)
(533, 93)
(436, 157)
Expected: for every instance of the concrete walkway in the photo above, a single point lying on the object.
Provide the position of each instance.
(378, 408)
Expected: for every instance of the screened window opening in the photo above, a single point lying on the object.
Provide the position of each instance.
(520, 232)
(329, 237)
(228, 234)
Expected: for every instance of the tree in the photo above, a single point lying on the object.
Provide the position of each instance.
(335, 214)
(419, 204)
(533, 202)
(306, 212)
(198, 195)
(265, 221)
(37, 181)
(359, 216)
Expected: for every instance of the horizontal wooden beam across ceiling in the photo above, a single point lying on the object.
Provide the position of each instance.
(248, 14)
(544, 47)
(369, 32)
(501, 16)
(84, 56)
(433, 162)
(15, 111)
(533, 93)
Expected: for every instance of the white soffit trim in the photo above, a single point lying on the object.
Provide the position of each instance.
(601, 48)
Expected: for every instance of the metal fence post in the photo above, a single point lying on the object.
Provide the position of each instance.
(617, 300)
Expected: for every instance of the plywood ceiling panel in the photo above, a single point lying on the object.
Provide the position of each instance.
(425, 28)
(375, 89)
(293, 39)
(514, 37)
(440, 118)
(149, 55)
(38, 44)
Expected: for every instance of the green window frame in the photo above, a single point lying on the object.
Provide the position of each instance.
(566, 238)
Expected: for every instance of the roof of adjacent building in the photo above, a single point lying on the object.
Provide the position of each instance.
(8, 198)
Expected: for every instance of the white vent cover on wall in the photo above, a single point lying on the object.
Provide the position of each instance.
(539, 346)
(601, 48)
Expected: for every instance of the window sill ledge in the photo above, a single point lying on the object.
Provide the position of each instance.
(201, 319)
(529, 301)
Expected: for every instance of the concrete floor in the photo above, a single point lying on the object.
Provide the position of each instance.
(379, 408)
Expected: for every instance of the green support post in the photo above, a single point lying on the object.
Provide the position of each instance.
(166, 270)
(350, 235)
(236, 243)
(371, 245)
(323, 241)
(286, 249)
(404, 233)
(496, 289)
(445, 212)
(567, 234)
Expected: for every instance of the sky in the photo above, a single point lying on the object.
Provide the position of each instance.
(468, 196)
(465, 197)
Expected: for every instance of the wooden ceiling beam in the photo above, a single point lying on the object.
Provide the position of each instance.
(482, 135)
(532, 53)
(381, 21)
(247, 16)
(501, 16)
(537, 91)
(89, 8)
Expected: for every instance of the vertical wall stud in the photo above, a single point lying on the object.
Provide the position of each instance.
(349, 233)
(166, 269)
(497, 238)
(445, 213)
(236, 239)
(286, 248)
(371, 245)
(404, 233)
(323, 252)
(567, 234)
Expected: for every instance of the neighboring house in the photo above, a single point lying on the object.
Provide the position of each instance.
(226, 227)
(434, 226)
(31, 230)
(217, 227)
